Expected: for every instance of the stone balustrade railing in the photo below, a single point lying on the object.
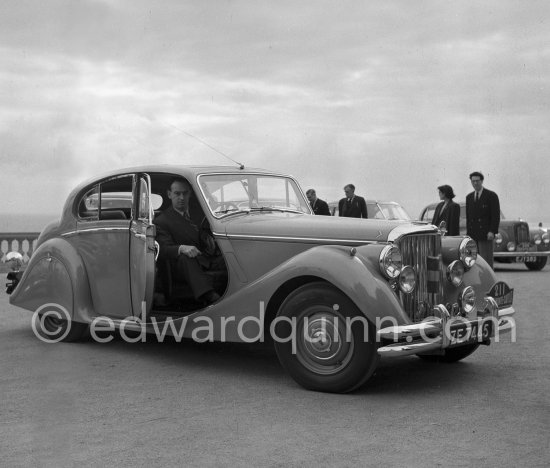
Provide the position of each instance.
(22, 242)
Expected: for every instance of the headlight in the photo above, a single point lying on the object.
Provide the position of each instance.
(546, 238)
(468, 252)
(390, 262)
(467, 299)
(15, 260)
(537, 239)
(498, 238)
(511, 246)
(407, 279)
(455, 273)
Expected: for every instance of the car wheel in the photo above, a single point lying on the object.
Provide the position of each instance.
(319, 344)
(451, 354)
(51, 328)
(537, 265)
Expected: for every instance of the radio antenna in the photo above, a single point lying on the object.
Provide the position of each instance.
(241, 165)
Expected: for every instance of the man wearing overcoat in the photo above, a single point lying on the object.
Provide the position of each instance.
(319, 207)
(352, 206)
(482, 216)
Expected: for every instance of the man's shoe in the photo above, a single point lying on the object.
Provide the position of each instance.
(210, 297)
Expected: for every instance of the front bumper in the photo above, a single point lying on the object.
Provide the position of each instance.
(521, 253)
(436, 334)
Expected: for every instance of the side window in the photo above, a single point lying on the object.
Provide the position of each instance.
(109, 200)
(88, 208)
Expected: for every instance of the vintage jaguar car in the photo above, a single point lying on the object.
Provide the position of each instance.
(377, 209)
(331, 295)
(516, 241)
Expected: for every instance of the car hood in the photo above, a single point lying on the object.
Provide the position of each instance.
(299, 226)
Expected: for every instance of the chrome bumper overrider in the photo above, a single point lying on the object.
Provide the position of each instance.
(432, 335)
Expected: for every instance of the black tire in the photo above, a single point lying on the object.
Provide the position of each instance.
(332, 360)
(537, 265)
(53, 329)
(451, 354)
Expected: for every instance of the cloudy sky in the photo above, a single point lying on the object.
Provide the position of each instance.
(397, 97)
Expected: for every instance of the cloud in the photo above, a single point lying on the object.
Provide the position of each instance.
(396, 97)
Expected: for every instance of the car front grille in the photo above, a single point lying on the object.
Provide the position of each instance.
(521, 232)
(415, 250)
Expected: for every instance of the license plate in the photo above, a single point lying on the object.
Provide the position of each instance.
(462, 332)
(526, 258)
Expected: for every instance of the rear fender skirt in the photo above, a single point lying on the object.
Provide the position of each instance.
(55, 274)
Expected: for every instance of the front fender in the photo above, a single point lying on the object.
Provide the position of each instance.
(55, 274)
(356, 276)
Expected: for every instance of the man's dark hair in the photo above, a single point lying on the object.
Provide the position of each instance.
(447, 190)
(311, 192)
(351, 186)
(178, 179)
(477, 174)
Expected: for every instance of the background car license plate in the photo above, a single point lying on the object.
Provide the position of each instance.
(526, 258)
(462, 333)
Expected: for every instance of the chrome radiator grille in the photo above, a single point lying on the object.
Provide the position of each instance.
(522, 233)
(415, 250)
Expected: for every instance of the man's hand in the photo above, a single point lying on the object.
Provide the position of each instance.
(189, 250)
(490, 236)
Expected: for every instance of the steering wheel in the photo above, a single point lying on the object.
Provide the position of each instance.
(207, 243)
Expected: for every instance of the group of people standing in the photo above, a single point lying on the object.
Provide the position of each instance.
(482, 212)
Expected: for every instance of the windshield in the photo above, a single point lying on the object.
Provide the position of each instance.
(391, 211)
(234, 193)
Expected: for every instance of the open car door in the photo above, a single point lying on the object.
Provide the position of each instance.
(142, 248)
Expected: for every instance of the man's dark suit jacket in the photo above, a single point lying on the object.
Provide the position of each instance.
(174, 230)
(482, 216)
(320, 207)
(356, 209)
(451, 216)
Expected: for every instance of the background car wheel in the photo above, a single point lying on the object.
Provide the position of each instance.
(54, 329)
(322, 353)
(451, 354)
(538, 265)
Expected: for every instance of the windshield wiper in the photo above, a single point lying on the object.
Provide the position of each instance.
(274, 208)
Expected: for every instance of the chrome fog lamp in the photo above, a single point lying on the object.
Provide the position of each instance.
(498, 238)
(407, 279)
(468, 252)
(537, 239)
(546, 238)
(511, 246)
(15, 260)
(467, 299)
(455, 273)
(390, 262)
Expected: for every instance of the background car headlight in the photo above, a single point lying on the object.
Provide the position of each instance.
(455, 273)
(407, 279)
(498, 238)
(537, 239)
(468, 252)
(467, 299)
(390, 261)
(546, 238)
(511, 246)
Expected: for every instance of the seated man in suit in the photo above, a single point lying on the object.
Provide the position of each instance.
(179, 242)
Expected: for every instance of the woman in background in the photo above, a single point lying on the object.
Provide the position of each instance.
(447, 211)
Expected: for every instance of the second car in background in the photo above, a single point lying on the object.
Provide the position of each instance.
(376, 209)
(515, 241)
